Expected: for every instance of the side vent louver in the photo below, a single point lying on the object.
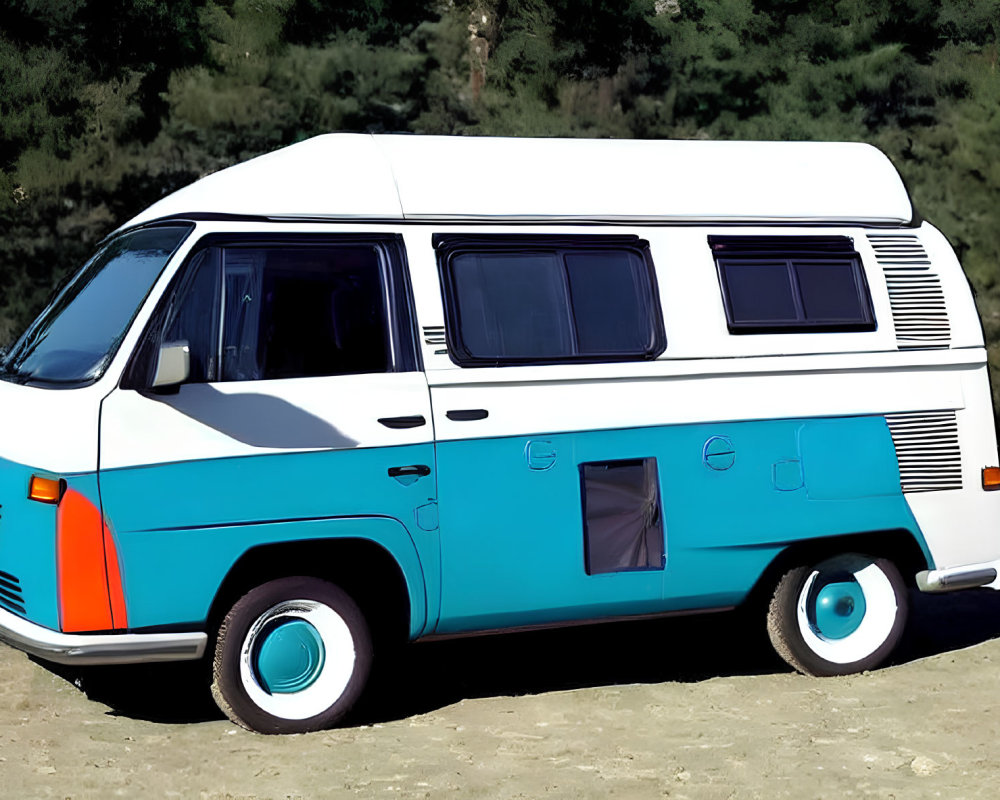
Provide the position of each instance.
(10, 593)
(927, 449)
(918, 308)
(434, 335)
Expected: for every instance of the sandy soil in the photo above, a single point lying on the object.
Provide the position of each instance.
(692, 708)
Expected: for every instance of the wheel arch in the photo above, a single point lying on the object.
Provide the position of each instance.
(363, 568)
(897, 545)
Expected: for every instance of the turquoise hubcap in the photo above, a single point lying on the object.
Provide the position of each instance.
(840, 607)
(290, 658)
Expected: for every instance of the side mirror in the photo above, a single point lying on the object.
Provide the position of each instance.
(173, 366)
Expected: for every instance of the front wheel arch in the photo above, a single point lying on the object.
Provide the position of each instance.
(364, 569)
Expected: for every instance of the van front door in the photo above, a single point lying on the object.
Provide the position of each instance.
(301, 417)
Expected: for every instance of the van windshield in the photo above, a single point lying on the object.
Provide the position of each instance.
(78, 333)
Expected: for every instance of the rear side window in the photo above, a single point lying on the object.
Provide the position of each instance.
(540, 299)
(773, 284)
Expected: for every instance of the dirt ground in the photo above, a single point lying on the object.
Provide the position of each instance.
(683, 708)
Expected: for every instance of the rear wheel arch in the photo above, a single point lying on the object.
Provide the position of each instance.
(899, 546)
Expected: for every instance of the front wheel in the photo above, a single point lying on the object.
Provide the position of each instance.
(843, 615)
(291, 656)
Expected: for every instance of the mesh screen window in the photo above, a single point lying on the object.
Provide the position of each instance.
(623, 525)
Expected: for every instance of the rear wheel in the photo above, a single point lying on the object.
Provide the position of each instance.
(842, 615)
(292, 655)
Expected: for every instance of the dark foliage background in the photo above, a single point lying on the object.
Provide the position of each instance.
(106, 105)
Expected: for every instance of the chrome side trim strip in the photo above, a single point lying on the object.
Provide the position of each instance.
(100, 648)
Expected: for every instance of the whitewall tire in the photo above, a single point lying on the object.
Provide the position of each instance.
(291, 656)
(842, 615)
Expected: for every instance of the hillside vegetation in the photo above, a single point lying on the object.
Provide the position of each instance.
(106, 105)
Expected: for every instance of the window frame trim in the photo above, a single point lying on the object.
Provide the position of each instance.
(448, 246)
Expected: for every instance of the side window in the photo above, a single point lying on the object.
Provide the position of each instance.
(302, 311)
(773, 284)
(542, 299)
(271, 310)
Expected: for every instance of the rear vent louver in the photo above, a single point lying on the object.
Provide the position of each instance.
(11, 597)
(918, 308)
(927, 449)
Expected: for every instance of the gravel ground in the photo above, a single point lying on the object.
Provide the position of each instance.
(685, 708)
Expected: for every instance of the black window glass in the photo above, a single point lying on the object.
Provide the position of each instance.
(759, 292)
(623, 526)
(524, 300)
(601, 284)
(792, 283)
(194, 316)
(258, 313)
(513, 303)
(829, 291)
(242, 308)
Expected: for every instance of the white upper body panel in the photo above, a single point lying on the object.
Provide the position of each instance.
(52, 430)
(699, 346)
(691, 299)
(363, 176)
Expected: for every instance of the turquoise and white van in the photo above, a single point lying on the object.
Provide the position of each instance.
(400, 386)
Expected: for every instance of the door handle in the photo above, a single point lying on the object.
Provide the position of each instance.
(403, 422)
(467, 414)
(412, 470)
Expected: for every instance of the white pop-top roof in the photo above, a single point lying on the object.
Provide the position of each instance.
(379, 177)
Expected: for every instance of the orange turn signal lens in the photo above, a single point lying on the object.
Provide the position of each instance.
(45, 490)
(991, 478)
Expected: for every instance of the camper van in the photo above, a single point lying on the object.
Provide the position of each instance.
(371, 388)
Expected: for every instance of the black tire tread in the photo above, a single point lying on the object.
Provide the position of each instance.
(781, 617)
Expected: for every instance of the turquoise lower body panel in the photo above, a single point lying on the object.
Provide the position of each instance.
(27, 549)
(28, 571)
(510, 550)
(181, 527)
(733, 496)
(171, 576)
